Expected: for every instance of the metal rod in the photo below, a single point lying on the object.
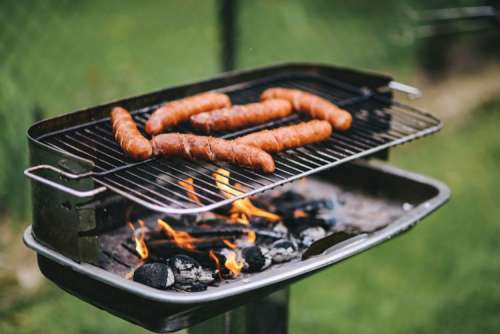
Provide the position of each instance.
(262, 316)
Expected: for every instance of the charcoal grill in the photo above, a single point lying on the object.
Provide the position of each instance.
(84, 185)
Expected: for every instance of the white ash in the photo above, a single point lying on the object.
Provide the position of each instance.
(308, 236)
(280, 228)
(256, 258)
(282, 251)
(188, 270)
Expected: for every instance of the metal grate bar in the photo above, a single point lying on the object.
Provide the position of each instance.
(378, 124)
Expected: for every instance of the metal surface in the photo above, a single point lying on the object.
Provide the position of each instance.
(169, 310)
(30, 172)
(378, 125)
(262, 316)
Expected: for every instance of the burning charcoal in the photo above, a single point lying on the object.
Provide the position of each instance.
(297, 224)
(311, 234)
(191, 287)
(256, 258)
(310, 207)
(156, 275)
(283, 250)
(289, 196)
(187, 270)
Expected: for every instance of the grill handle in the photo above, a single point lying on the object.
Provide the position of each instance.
(410, 91)
(30, 172)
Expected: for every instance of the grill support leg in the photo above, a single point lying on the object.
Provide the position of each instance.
(266, 315)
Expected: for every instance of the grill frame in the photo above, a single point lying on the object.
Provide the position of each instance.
(364, 87)
(166, 311)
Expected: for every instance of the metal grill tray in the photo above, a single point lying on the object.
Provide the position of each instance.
(378, 123)
(170, 311)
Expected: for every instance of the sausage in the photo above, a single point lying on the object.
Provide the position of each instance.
(317, 107)
(241, 116)
(172, 113)
(287, 137)
(194, 147)
(128, 135)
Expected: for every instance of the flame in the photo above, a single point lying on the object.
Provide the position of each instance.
(188, 184)
(182, 239)
(229, 244)
(233, 265)
(214, 258)
(251, 236)
(242, 205)
(140, 244)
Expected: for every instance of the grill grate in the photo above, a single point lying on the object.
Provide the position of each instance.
(377, 125)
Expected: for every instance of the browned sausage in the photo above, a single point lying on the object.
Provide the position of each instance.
(315, 106)
(287, 137)
(194, 147)
(128, 135)
(172, 113)
(241, 116)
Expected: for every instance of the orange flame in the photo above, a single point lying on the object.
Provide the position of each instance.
(233, 265)
(140, 244)
(229, 244)
(182, 239)
(251, 236)
(242, 205)
(214, 258)
(188, 184)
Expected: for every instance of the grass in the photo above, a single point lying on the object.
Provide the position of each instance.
(440, 277)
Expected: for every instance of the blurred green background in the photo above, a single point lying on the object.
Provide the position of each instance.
(59, 56)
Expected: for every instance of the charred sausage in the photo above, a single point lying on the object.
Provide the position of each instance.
(194, 147)
(241, 116)
(317, 107)
(172, 113)
(128, 135)
(287, 137)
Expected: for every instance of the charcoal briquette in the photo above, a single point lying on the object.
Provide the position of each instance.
(309, 235)
(256, 258)
(156, 275)
(188, 271)
(282, 251)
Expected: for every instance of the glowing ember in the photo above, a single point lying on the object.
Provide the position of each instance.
(140, 244)
(299, 213)
(182, 239)
(232, 265)
(188, 184)
(214, 258)
(242, 205)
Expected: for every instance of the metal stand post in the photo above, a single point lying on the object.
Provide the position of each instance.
(228, 26)
(266, 315)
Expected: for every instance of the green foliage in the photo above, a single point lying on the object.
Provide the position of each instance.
(442, 276)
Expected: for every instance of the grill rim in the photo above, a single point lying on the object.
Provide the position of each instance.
(267, 278)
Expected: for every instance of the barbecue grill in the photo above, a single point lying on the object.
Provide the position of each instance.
(85, 188)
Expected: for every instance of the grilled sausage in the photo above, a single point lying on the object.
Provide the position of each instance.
(317, 107)
(213, 149)
(241, 116)
(172, 113)
(287, 137)
(128, 135)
